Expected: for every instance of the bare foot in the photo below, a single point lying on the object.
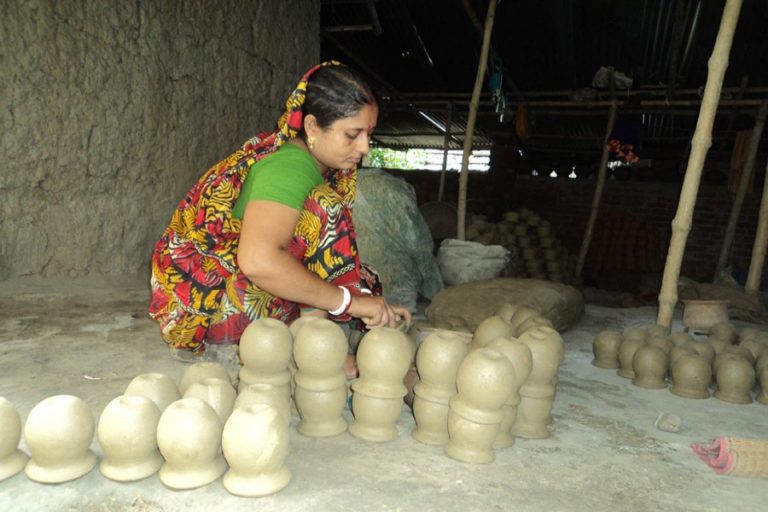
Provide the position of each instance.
(350, 367)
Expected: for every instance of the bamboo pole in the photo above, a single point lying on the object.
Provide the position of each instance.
(700, 143)
(741, 192)
(598, 188)
(761, 240)
(446, 146)
(473, 105)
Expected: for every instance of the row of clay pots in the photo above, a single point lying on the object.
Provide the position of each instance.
(475, 397)
(650, 357)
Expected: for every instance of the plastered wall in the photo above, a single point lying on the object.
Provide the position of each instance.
(109, 111)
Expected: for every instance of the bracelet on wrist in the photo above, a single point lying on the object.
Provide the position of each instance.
(346, 301)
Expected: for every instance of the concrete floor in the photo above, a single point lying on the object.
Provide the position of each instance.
(605, 453)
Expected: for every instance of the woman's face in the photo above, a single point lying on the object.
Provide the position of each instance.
(344, 143)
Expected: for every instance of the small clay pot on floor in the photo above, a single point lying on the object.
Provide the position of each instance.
(756, 347)
(735, 378)
(725, 331)
(704, 349)
(678, 352)
(662, 342)
(606, 350)
(691, 376)
(650, 365)
(680, 338)
(762, 396)
(626, 353)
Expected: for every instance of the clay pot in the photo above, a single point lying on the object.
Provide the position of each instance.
(127, 435)
(749, 333)
(762, 397)
(489, 329)
(704, 349)
(532, 323)
(717, 344)
(680, 338)
(189, 437)
(264, 394)
(606, 349)
(320, 349)
(62, 453)
(200, 371)
(724, 330)
(701, 315)
(756, 347)
(635, 333)
(12, 460)
(520, 316)
(437, 360)
(216, 392)
(678, 352)
(519, 355)
(691, 376)
(626, 353)
(657, 330)
(735, 378)
(762, 362)
(650, 365)
(662, 342)
(255, 442)
(158, 387)
(266, 349)
(733, 352)
(507, 310)
(484, 382)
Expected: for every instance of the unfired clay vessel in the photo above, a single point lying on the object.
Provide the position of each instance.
(255, 442)
(762, 362)
(657, 330)
(678, 352)
(537, 394)
(606, 349)
(704, 349)
(521, 315)
(59, 431)
(735, 378)
(691, 376)
(662, 342)
(532, 323)
(520, 356)
(756, 347)
(725, 331)
(216, 392)
(680, 338)
(732, 352)
(437, 361)
(717, 344)
(635, 333)
(489, 329)
(189, 437)
(12, 460)
(199, 371)
(749, 333)
(626, 353)
(158, 387)
(762, 396)
(507, 310)
(650, 365)
(484, 382)
(383, 358)
(266, 348)
(253, 394)
(127, 435)
(319, 349)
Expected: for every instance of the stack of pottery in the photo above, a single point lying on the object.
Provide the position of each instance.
(728, 359)
(535, 251)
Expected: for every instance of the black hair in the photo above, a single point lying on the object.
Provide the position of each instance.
(336, 92)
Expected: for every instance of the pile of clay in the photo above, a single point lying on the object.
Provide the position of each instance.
(727, 362)
(474, 394)
(535, 251)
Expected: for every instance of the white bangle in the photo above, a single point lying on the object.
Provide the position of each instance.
(345, 302)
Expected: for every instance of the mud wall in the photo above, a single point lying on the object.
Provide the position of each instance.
(111, 110)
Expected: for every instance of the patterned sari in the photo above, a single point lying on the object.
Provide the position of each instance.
(199, 295)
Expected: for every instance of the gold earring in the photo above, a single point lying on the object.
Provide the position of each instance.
(311, 142)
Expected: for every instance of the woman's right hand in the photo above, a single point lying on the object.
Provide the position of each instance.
(376, 312)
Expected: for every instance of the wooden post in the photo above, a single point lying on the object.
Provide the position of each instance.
(746, 177)
(761, 239)
(446, 146)
(473, 104)
(602, 172)
(700, 143)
